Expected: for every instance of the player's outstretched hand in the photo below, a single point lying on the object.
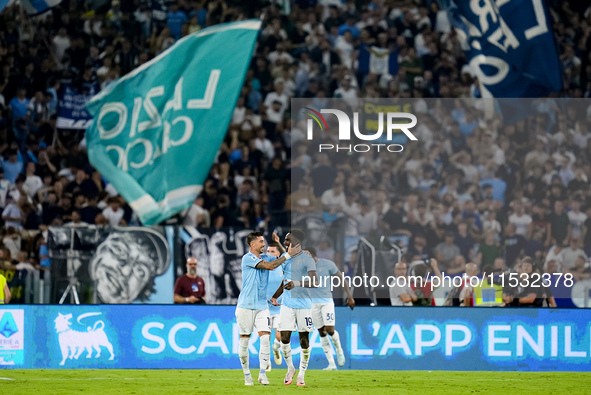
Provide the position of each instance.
(275, 238)
(351, 303)
(274, 302)
(289, 285)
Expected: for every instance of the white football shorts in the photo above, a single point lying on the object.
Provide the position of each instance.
(275, 322)
(295, 319)
(249, 319)
(323, 314)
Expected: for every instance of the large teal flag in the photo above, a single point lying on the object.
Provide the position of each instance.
(156, 130)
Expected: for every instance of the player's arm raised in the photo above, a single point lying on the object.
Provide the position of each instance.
(264, 265)
(275, 238)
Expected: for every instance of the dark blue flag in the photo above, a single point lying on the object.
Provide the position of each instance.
(509, 44)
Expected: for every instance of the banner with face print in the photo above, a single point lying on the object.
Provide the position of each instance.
(114, 265)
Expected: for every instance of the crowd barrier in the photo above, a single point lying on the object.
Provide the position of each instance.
(378, 338)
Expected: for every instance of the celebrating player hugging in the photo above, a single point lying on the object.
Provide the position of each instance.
(294, 287)
(252, 309)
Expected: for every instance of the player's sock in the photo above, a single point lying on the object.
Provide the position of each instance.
(336, 341)
(327, 351)
(277, 352)
(276, 345)
(305, 357)
(243, 354)
(286, 349)
(264, 352)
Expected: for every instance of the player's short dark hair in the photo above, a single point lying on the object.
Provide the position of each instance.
(312, 251)
(274, 244)
(252, 236)
(297, 236)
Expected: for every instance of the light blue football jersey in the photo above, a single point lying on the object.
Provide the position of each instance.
(325, 269)
(295, 269)
(253, 295)
(275, 279)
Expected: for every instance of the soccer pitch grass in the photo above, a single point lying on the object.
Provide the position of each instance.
(318, 381)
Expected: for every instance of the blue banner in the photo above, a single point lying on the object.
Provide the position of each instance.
(374, 338)
(509, 44)
(151, 126)
(72, 109)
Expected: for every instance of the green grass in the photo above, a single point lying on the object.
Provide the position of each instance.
(33, 382)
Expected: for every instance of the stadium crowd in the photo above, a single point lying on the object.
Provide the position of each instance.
(481, 194)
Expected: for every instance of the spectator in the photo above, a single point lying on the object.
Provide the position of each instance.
(33, 182)
(262, 143)
(571, 253)
(175, 20)
(489, 251)
(401, 294)
(5, 186)
(577, 219)
(276, 185)
(13, 166)
(76, 220)
(347, 92)
(556, 255)
(197, 216)
(113, 213)
(302, 200)
(23, 262)
(12, 215)
(325, 251)
(333, 200)
(447, 251)
(560, 228)
(580, 271)
(464, 241)
(61, 43)
(499, 267)
(520, 220)
(420, 248)
(467, 293)
(190, 288)
(513, 244)
(367, 219)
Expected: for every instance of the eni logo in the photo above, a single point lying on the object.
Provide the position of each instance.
(73, 342)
